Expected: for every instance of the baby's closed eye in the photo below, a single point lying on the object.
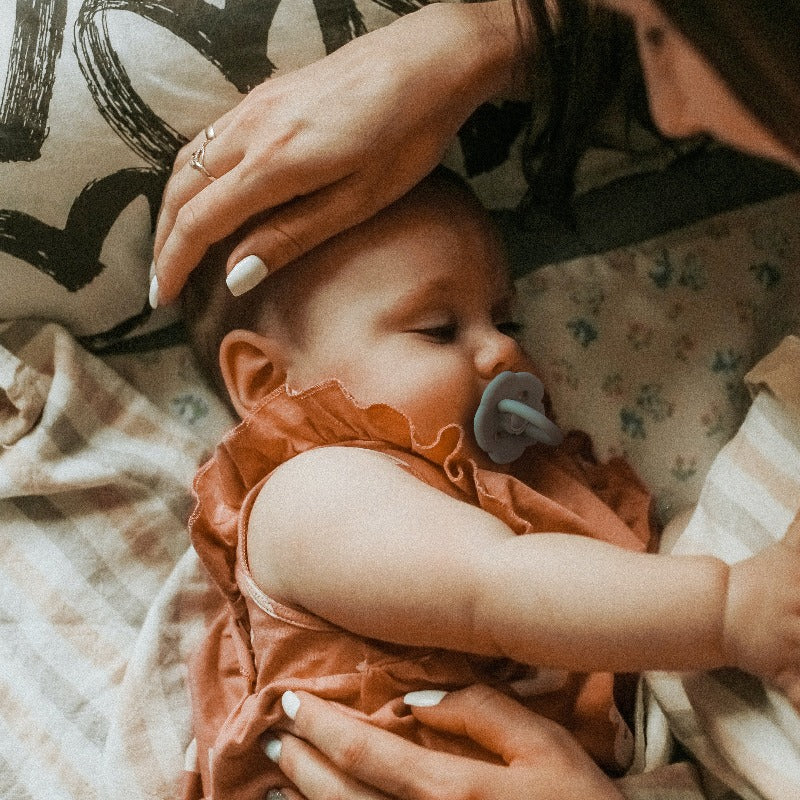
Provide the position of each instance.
(440, 333)
(510, 328)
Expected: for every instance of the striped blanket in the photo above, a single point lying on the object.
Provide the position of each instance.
(745, 736)
(101, 599)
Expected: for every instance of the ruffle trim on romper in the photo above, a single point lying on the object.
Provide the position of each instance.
(548, 490)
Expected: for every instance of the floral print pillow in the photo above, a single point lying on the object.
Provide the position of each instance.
(645, 347)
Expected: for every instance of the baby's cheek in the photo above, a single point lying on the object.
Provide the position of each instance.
(447, 406)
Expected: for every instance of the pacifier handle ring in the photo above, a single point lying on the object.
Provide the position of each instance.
(546, 430)
(511, 417)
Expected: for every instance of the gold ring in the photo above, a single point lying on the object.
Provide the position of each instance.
(198, 162)
(209, 132)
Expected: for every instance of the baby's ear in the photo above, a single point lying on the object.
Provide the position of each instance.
(252, 366)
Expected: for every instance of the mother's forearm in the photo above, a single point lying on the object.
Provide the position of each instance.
(488, 43)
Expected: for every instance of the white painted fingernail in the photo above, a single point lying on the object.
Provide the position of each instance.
(152, 270)
(273, 750)
(246, 275)
(424, 698)
(291, 703)
(154, 292)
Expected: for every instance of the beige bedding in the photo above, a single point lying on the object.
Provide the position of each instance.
(745, 734)
(101, 599)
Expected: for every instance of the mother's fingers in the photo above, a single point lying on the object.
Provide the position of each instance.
(219, 155)
(224, 205)
(498, 723)
(218, 127)
(191, 228)
(186, 182)
(296, 227)
(543, 759)
(314, 775)
(381, 759)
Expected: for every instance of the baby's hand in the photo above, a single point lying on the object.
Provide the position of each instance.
(762, 615)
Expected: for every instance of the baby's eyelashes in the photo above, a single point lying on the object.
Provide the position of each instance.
(448, 332)
(511, 328)
(440, 333)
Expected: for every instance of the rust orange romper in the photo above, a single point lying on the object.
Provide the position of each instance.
(255, 648)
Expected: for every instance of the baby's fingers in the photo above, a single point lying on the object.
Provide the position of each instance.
(788, 682)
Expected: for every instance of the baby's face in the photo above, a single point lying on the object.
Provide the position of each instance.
(419, 319)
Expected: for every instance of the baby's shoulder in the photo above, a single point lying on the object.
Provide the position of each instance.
(316, 497)
(331, 463)
(320, 479)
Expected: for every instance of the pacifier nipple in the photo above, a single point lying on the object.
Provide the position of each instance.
(511, 417)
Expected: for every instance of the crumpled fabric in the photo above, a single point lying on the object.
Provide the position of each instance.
(249, 657)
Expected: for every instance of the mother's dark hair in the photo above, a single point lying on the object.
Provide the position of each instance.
(755, 46)
(590, 56)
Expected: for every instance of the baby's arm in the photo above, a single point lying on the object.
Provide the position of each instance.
(762, 618)
(356, 539)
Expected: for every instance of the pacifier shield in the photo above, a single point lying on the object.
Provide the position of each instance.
(511, 417)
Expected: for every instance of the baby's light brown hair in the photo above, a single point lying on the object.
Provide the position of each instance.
(210, 311)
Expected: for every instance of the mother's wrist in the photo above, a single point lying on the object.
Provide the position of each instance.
(487, 43)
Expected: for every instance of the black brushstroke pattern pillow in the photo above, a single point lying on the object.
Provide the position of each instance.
(98, 95)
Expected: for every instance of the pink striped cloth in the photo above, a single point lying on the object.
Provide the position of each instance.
(101, 600)
(745, 735)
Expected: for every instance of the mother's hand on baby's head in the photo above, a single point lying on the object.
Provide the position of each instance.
(311, 153)
(327, 753)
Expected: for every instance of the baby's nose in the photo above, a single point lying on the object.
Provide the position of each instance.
(498, 354)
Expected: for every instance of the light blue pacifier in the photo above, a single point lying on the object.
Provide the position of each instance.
(511, 417)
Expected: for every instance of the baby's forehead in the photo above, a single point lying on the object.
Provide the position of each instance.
(433, 275)
(433, 236)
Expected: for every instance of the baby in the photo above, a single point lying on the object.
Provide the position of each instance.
(367, 547)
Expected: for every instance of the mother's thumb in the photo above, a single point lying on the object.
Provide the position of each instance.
(494, 720)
